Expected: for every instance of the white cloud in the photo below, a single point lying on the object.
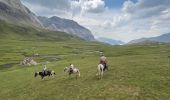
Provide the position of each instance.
(51, 4)
(94, 6)
(50, 9)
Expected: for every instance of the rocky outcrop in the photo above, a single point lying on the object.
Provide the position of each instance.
(28, 61)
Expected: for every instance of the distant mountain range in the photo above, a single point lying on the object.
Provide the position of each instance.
(13, 11)
(162, 38)
(109, 41)
(65, 25)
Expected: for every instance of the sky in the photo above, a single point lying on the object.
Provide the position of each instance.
(123, 20)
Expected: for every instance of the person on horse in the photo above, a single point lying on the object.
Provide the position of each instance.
(44, 70)
(71, 68)
(103, 61)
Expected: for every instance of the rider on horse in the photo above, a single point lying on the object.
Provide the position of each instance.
(71, 68)
(44, 70)
(103, 61)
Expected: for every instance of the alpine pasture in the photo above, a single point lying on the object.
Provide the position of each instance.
(136, 72)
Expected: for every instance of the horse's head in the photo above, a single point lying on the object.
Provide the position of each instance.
(65, 69)
(53, 72)
(36, 73)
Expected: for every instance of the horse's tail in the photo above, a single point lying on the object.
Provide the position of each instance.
(36, 73)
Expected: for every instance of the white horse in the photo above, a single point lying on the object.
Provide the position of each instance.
(75, 71)
(100, 70)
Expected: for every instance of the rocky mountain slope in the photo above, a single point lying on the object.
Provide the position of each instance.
(13, 11)
(65, 25)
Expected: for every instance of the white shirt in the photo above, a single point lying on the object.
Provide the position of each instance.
(72, 66)
(44, 68)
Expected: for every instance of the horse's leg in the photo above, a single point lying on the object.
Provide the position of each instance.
(42, 77)
(76, 75)
(52, 75)
(102, 73)
(98, 73)
(69, 74)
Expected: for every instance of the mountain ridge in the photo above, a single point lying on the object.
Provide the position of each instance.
(66, 25)
(165, 38)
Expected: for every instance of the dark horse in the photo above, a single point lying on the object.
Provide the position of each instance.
(47, 73)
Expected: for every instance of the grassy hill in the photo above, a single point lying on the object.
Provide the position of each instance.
(137, 72)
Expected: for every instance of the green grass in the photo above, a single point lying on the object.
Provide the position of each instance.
(137, 72)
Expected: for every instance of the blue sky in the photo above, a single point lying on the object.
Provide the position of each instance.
(114, 4)
(117, 19)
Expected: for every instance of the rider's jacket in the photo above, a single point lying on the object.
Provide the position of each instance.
(103, 60)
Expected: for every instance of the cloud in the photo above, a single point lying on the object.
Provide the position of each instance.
(51, 4)
(61, 8)
(145, 8)
(93, 6)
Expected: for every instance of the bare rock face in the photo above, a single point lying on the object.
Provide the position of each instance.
(28, 61)
(65, 25)
(13, 11)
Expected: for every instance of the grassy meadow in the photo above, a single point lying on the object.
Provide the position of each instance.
(136, 72)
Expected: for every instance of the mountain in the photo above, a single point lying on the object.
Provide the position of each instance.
(20, 33)
(162, 38)
(13, 11)
(65, 25)
(109, 41)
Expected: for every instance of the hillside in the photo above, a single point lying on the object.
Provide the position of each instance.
(11, 31)
(165, 38)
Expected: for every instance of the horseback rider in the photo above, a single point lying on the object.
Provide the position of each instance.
(44, 69)
(103, 60)
(71, 68)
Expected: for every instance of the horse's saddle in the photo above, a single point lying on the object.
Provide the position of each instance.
(105, 66)
(45, 72)
(71, 71)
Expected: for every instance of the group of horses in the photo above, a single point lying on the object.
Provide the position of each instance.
(99, 74)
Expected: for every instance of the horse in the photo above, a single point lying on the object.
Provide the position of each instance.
(75, 71)
(100, 70)
(47, 73)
